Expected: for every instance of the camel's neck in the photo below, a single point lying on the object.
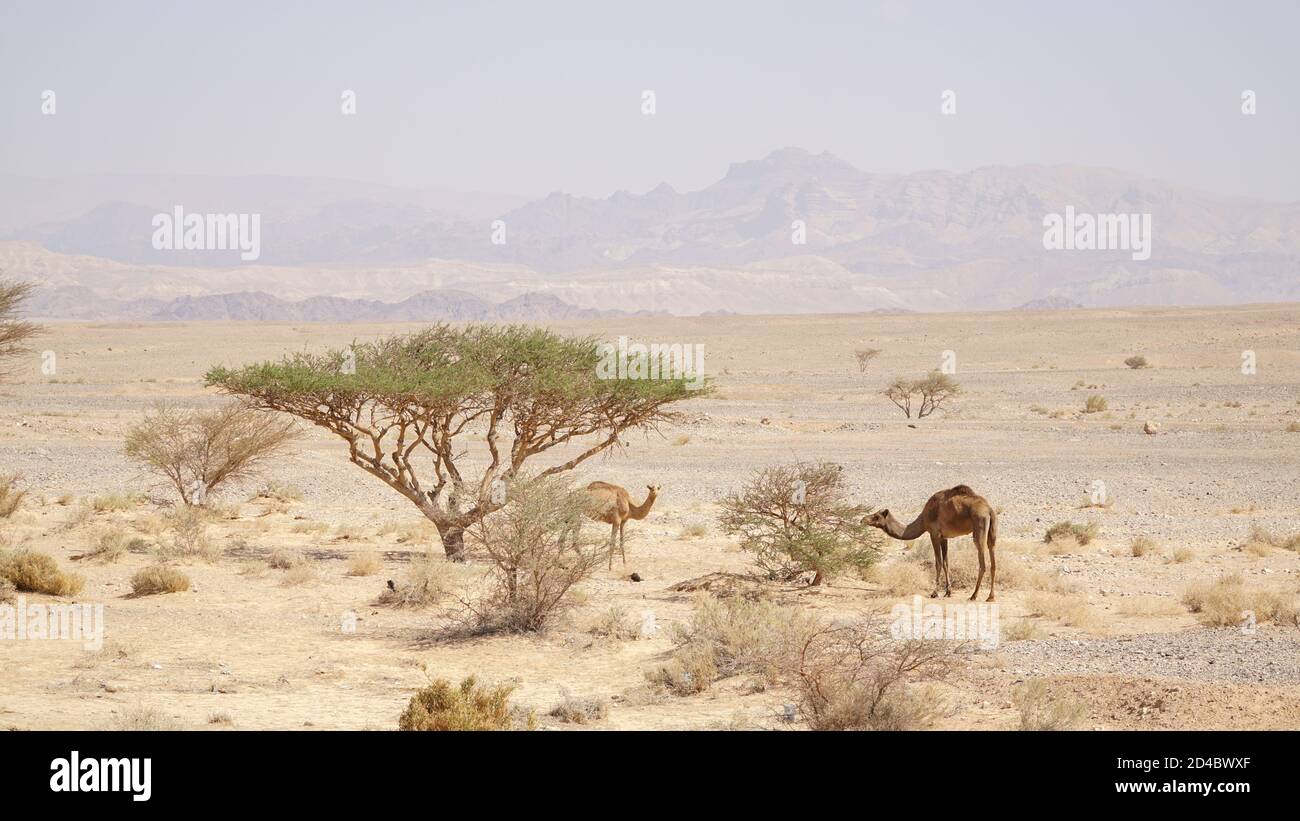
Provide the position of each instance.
(896, 529)
(639, 511)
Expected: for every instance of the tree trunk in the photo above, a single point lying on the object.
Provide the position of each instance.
(453, 542)
(817, 580)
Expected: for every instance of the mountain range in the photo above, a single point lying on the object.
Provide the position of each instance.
(791, 232)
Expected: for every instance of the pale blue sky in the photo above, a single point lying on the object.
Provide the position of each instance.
(527, 98)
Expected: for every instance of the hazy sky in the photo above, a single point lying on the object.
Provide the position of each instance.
(527, 98)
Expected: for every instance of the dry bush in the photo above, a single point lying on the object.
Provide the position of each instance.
(299, 575)
(540, 545)
(1293, 427)
(615, 623)
(797, 519)
(144, 719)
(7, 590)
(116, 502)
(681, 440)
(858, 677)
(159, 578)
(427, 581)
(729, 637)
(471, 706)
(1262, 535)
(1040, 711)
(1023, 630)
(113, 544)
(10, 496)
(691, 532)
(580, 710)
(220, 717)
(1182, 555)
(1095, 404)
(32, 572)
(309, 528)
(900, 578)
(1136, 362)
(14, 333)
(1142, 545)
(931, 391)
(188, 537)
(365, 563)
(1066, 608)
(864, 357)
(278, 492)
(198, 451)
(284, 558)
(1081, 533)
(1228, 601)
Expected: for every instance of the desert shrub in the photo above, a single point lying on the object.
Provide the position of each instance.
(1136, 362)
(540, 545)
(198, 451)
(144, 719)
(187, 530)
(1066, 608)
(1182, 555)
(426, 581)
(1142, 545)
(159, 578)
(1081, 533)
(116, 502)
(33, 572)
(930, 392)
(1293, 427)
(1023, 630)
(863, 356)
(1095, 404)
(298, 575)
(364, 563)
(278, 492)
(471, 706)
(580, 710)
(112, 544)
(1228, 601)
(695, 531)
(283, 558)
(728, 637)
(1039, 710)
(7, 590)
(900, 578)
(858, 677)
(1262, 535)
(615, 623)
(10, 495)
(796, 519)
(14, 333)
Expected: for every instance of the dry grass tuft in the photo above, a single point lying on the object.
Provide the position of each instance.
(144, 719)
(580, 710)
(427, 581)
(1227, 601)
(285, 558)
(10, 496)
(1142, 546)
(471, 706)
(1065, 608)
(365, 563)
(1081, 533)
(903, 578)
(615, 623)
(1040, 711)
(32, 572)
(159, 578)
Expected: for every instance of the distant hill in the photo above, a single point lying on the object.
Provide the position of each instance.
(427, 306)
(792, 232)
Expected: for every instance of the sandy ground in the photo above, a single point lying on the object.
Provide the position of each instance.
(246, 644)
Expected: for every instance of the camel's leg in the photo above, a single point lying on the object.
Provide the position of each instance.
(993, 570)
(947, 572)
(622, 544)
(938, 565)
(613, 534)
(978, 535)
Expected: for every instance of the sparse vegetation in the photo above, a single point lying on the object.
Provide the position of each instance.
(144, 719)
(796, 519)
(1095, 404)
(11, 496)
(540, 545)
(471, 706)
(187, 529)
(1080, 533)
(580, 710)
(1142, 545)
(1228, 601)
(864, 357)
(426, 581)
(14, 333)
(1040, 710)
(284, 558)
(32, 572)
(930, 391)
(615, 623)
(695, 531)
(199, 451)
(159, 578)
(423, 389)
(1065, 608)
(364, 563)
(1136, 362)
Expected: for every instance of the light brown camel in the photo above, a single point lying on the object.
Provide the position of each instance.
(612, 505)
(958, 511)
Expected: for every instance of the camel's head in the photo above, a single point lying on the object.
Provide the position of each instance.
(654, 489)
(877, 519)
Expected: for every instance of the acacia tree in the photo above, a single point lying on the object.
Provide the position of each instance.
(447, 416)
(932, 390)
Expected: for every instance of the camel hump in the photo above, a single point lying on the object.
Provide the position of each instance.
(600, 486)
(961, 490)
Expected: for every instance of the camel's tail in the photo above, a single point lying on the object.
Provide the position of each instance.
(993, 528)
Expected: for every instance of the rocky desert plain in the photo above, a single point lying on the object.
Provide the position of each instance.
(1210, 494)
